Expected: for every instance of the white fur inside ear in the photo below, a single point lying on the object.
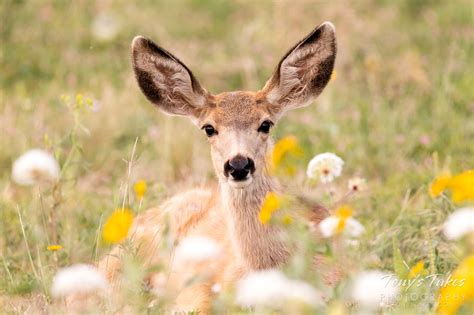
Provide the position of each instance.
(179, 83)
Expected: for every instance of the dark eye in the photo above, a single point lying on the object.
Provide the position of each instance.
(210, 131)
(265, 126)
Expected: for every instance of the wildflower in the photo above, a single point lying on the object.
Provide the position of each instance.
(34, 166)
(374, 289)
(77, 279)
(459, 223)
(357, 184)
(54, 248)
(325, 167)
(197, 249)
(439, 185)
(79, 100)
(105, 27)
(271, 203)
(458, 291)
(333, 76)
(461, 186)
(117, 225)
(416, 269)
(341, 222)
(285, 148)
(140, 188)
(287, 219)
(272, 288)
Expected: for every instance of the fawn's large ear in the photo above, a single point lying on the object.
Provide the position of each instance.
(166, 81)
(304, 71)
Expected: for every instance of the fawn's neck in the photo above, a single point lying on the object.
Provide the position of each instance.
(259, 246)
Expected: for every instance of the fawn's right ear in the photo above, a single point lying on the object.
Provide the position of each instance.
(166, 81)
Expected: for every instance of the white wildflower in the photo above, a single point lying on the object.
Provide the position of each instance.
(374, 289)
(459, 223)
(325, 167)
(357, 184)
(334, 224)
(34, 166)
(105, 27)
(196, 248)
(77, 279)
(272, 288)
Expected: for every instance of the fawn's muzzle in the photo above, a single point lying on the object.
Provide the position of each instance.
(239, 167)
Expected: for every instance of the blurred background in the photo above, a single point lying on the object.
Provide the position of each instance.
(399, 108)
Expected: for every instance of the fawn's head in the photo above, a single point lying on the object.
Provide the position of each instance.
(237, 123)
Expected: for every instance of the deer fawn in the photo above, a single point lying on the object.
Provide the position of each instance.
(237, 125)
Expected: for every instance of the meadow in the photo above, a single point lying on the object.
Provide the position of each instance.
(399, 110)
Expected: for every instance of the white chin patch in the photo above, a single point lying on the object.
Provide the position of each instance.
(239, 184)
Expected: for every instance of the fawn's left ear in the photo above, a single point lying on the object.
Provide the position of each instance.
(304, 71)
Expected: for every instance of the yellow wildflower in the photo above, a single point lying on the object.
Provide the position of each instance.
(333, 76)
(343, 213)
(416, 269)
(459, 290)
(140, 188)
(287, 219)
(284, 148)
(117, 225)
(79, 100)
(54, 248)
(439, 185)
(461, 186)
(271, 203)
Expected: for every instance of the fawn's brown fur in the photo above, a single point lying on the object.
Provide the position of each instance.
(229, 214)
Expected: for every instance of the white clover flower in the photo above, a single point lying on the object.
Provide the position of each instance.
(325, 167)
(105, 27)
(374, 289)
(77, 279)
(34, 166)
(357, 184)
(459, 223)
(196, 248)
(272, 288)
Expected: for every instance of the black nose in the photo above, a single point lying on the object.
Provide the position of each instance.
(239, 167)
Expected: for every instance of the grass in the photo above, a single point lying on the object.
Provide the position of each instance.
(399, 112)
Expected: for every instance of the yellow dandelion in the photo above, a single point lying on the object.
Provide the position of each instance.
(461, 186)
(117, 225)
(343, 213)
(140, 188)
(333, 75)
(285, 148)
(271, 203)
(458, 291)
(416, 269)
(54, 248)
